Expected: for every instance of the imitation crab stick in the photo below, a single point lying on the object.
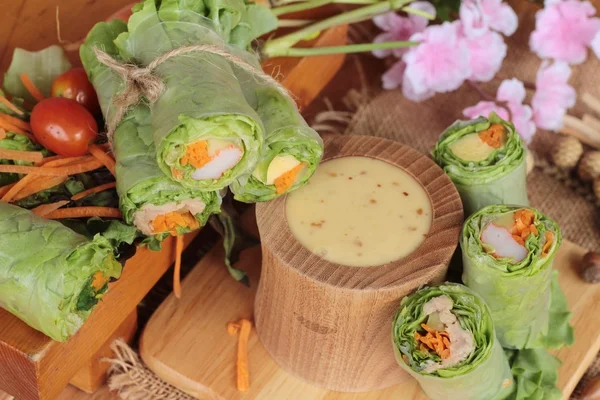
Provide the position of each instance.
(210, 159)
(509, 241)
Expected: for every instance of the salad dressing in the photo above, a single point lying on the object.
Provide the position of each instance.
(360, 212)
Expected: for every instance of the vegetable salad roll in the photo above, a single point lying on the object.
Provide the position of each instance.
(50, 276)
(151, 201)
(486, 160)
(292, 150)
(507, 259)
(205, 133)
(444, 337)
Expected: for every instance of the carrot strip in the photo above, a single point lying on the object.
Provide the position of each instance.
(177, 270)
(44, 209)
(94, 190)
(4, 189)
(32, 156)
(15, 121)
(2, 134)
(104, 158)
(85, 212)
(10, 105)
(17, 188)
(47, 171)
(39, 185)
(34, 91)
(244, 328)
(60, 161)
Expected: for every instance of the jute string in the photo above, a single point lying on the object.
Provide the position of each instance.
(142, 81)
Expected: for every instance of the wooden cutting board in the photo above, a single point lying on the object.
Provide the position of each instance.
(186, 343)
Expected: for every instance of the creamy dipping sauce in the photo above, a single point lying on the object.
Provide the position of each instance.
(360, 212)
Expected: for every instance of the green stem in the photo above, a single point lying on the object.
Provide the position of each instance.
(410, 10)
(299, 6)
(276, 46)
(282, 3)
(293, 23)
(350, 48)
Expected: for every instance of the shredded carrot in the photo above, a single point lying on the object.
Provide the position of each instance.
(285, 181)
(8, 196)
(15, 121)
(10, 105)
(94, 190)
(32, 156)
(171, 221)
(177, 174)
(104, 158)
(99, 280)
(47, 171)
(243, 327)
(31, 88)
(9, 127)
(548, 244)
(85, 212)
(60, 161)
(493, 136)
(434, 340)
(2, 134)
(39, 185)
(45, 209)
(177, 270)
(4, 189)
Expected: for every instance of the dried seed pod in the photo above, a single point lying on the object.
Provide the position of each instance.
(591, 267)
(589, 166)
(566, 152)
(591, 391)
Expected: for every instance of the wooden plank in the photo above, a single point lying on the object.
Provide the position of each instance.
(94, 372)
(185, 342)
(33, 366)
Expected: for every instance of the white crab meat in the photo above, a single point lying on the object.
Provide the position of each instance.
(503, 243)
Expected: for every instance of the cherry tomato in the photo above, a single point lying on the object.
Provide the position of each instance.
(74, 84)
(63, 126)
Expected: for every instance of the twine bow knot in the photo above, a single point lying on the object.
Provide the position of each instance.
(141, 81)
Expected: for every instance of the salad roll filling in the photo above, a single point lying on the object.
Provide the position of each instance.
(211, 158)
(479, 146)
(443, 335)
(283, 172)
(506, 235)
(172, 217)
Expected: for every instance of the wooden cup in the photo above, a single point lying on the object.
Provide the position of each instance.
(330, 324)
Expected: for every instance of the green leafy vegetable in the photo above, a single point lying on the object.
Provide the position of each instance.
(485, 371)
(42, 67)
(535, 372)
(498, 179)
(44, 267)
(518, 293)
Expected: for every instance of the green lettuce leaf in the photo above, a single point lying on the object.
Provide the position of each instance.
(518, 294)
(499, 179)
(481, 376)
(46, 268)
(42, 67)
(535, 372)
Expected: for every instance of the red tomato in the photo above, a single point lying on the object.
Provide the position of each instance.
(63, 126)
(74, 84)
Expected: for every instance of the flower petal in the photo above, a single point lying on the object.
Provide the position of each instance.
(486, 55)
(392, 78)
(419, 22)
(511, 91)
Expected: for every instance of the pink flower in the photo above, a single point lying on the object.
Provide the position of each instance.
(392, 78)
(399, 28)
(596, 44)
(511, 94)
(487, 53)
(479, 16)
(553, 95)
(440, 63)
(564, 30)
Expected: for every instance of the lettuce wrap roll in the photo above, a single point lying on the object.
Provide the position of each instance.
(205, 133)
(507, 259)
(292, 150)
(50, 276)
(151, 201)
(486, 160)
(444, 337)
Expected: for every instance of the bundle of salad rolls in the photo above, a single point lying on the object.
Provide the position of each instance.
(450, 337)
